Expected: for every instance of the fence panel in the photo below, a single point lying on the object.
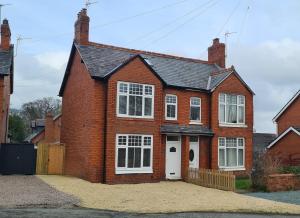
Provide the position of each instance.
(212, 178)
(42, 159)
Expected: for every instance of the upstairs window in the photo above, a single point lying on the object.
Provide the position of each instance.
(195, 110)
(231, 109)
(171, 107)
(135, 100)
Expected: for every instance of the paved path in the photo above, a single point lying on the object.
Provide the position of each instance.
(70, 213)
(30, 191)
(292, 197)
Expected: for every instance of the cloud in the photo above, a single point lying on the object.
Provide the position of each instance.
(37, 76)
(272, 71)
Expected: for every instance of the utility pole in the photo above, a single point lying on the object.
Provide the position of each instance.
(227, 34)
(1, 6)
(88, 3)
(19, 39)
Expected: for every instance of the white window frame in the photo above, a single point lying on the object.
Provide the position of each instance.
(200, 116)
(126, 170)
(225, 123)
(233, 168)
(143, 103)
(166, 107)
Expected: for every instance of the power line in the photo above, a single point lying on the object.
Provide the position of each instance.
(181, 25)
(168, 24)
(228, 19)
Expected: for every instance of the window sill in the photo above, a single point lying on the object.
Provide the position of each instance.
(120, 172)
(232, 169)
(233, 125)
(195, 123)
(135, 118)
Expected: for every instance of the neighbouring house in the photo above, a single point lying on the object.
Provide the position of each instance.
(132, 116)
(286, 146)
(45, 130)
(260, 143)
(6, 78)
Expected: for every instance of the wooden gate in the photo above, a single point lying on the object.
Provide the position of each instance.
(50, 158)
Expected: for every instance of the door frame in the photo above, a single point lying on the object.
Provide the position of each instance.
(178, 144)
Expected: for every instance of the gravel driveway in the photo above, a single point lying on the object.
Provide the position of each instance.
(163, 197)
(292, 197)
(30, 191)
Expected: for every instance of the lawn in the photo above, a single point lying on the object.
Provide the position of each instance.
(244, 184)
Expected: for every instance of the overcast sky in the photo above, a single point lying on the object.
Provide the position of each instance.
(264, 48)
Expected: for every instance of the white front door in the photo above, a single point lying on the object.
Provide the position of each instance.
(194, 152)
(173, 157)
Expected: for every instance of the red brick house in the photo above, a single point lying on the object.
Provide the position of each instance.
(133, 116)
(45, 130)
(287, 145)
(6, 78)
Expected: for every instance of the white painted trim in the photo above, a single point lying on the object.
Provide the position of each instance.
(126, 170)
(166, 106)
(286, 106)
(208, 83)
(200, 108)
(143, 103)
(282, 135)
(232, 169)
(232, 125)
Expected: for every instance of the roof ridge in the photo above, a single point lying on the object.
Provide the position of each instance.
(149, 53)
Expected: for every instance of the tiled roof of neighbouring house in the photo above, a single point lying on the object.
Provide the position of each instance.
(261, 141)
(186, 129)
(102, 60)
(6, 61)
(33, 135)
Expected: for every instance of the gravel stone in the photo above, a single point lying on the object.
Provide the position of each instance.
(30, 191)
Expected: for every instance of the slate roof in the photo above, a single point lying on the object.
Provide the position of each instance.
(261, 141)
(6, 61)
(33, 135)
(174, 71)
(186, 129)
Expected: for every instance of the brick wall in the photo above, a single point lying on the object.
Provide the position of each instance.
(52, 129)
(232, 85)
(290, 117)
(287, 149)
(283, 182)
(136, 72)
(4, 107)
(83, 123)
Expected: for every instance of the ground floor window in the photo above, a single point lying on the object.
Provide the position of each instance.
(231, 152)
(134, 153)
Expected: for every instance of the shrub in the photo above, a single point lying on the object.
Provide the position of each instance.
(263, 166)
(289, 169)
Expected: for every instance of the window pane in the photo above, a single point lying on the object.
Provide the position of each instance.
(147, 156)
(195, 101)
(193, 138)
(221, 157)
(231, 142)
(231, 114)
(241, 157)
(122, 140)
(241, 114)
(241, 99)
(231, 157)
(123, 88)
(148, 107)
(171, 111)
(147, 141)
(222, 113)
(195, 113)
(240, 142)
(222, 142)
(231, 99)
(135, 105)
(135, 89)
(171, 99)
(130, 160)
(222, 98)
(122, 104)
(148, 90)
(137, 157)
(173, 138)
(121, 157)
(134, 140)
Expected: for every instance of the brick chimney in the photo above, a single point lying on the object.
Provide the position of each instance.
(5, 35)
(49, 128)
(216, 53)
(82, 28)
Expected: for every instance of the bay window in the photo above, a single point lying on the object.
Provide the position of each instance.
(231, 152)
(171, 107)
(135, 100)
(195, 110)
(134, 154)
(231, 109)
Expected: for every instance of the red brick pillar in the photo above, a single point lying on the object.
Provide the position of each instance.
(185, 147)
(49, 128)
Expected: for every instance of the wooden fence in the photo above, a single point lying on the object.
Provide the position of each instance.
(212, 178)
(50, 158)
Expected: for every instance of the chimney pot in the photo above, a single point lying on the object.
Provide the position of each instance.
(216, 41)
(5, 35)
